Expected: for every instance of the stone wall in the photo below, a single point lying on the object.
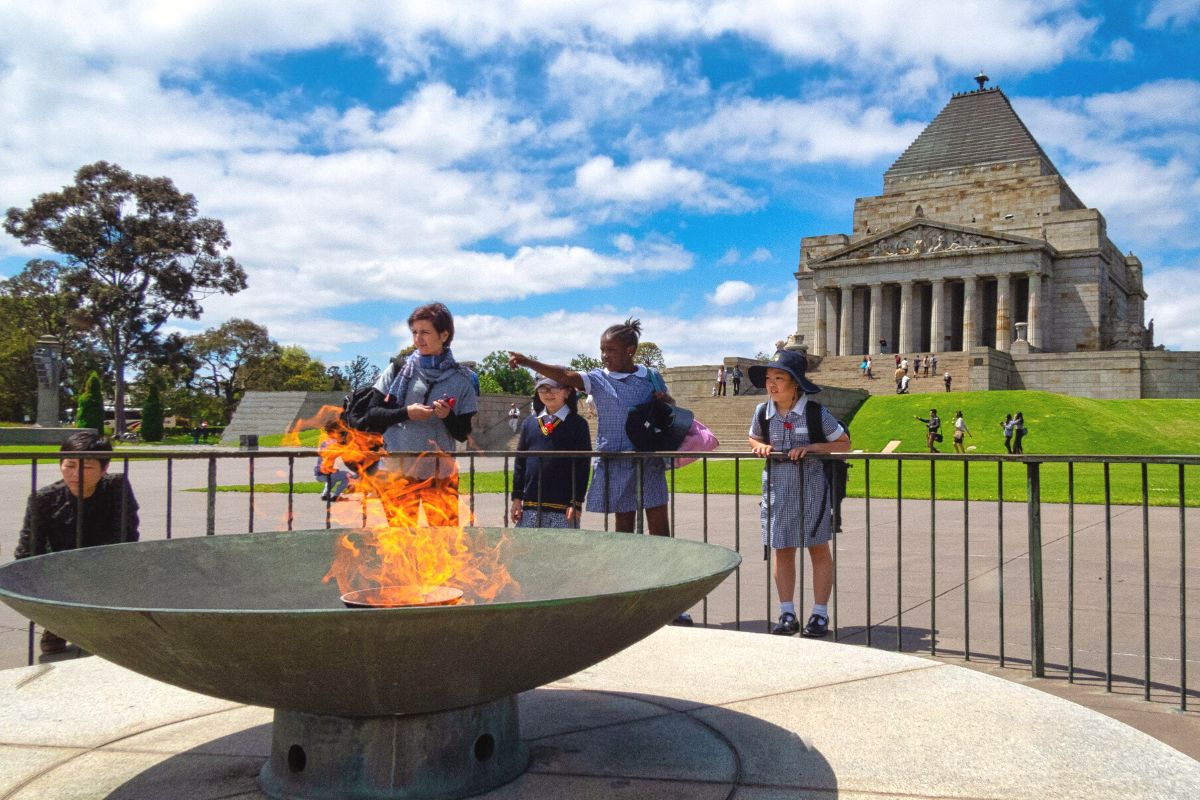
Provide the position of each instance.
(1112, 375)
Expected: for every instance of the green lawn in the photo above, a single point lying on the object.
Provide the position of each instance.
(1057, 424)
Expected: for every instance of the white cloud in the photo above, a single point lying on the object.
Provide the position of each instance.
(1131, 154)
(786, 132)
(728, 293)
(1173, 13)
(759, 255)
(558, 336)
(1172, 305)
(1121, 50)
(656, 182)
(435, 125)
(730, 257)
(597, 84)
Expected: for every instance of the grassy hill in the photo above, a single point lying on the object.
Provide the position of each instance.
(1057, 424)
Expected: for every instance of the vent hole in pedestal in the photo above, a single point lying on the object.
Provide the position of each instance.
(296, 758)
(485, 747)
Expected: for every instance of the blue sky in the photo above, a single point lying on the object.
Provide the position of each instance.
(549, 168)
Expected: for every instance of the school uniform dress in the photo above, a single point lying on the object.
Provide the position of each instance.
(614, 480)
(548, 486)
(783, 525)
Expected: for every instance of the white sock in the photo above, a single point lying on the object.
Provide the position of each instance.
(787, 608)
(822, 610)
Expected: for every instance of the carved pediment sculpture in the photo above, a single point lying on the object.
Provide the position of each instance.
(922, 239)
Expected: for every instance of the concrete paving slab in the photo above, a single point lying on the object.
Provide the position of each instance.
(89, 702)
(116, 775)
(690, 682)
(952, 732)
(238, 731)
(685, 713)
(550, 711)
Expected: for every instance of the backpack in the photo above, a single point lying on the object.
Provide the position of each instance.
(355, 406)
(837, 472)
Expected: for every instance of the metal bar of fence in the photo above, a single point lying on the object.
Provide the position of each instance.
(1037, 634)
(170, 477)
(1145, 584)
(932, 557)
(1182, 596)
(799, 554)
(33, 536)
(767, 546)
(1000, 552)
(672, 499)
(507, 502)
(966, 561)
(737, 539)
(1070, 573)
(867, 538)
(638, 512)
(1108, 626)
(250, 474)
(291, 511)
(703, 524)
(210, 525)
(899, 554)
(471, 466)
(124, 498)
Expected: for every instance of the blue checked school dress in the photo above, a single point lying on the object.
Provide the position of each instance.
(784, 526)
(614, 480)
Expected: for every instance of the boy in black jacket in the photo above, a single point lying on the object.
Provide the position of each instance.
(548, 492)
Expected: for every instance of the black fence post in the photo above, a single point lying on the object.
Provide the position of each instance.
(1037, 631)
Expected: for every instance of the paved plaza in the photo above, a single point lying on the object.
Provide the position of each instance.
(961, 574)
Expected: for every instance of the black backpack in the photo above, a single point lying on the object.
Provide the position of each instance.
(837, 472)
(355, 406)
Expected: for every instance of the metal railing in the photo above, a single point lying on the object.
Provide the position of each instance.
(1108, 594)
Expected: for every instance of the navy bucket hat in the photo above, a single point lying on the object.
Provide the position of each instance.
(793, 364)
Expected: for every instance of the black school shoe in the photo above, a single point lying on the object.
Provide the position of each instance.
(787, 625)
(817, 627)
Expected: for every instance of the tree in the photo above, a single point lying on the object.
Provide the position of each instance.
(511, 381)
(33, 304)
(223, 353)
(286, 369)
(152, 415)
(585, 363)
(89, 413)
(137, 254)
(358, 373)
(648, 354)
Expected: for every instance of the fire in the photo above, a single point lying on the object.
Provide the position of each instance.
(408, 558)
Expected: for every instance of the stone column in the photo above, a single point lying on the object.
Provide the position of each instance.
(846, 343)
(820, 343)
(1003, 315)
(937, 331)
(970, 308)
(904, 346)
(876, 316)
(1035, 302)
(831, 318)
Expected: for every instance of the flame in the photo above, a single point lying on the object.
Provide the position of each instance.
(405, 557)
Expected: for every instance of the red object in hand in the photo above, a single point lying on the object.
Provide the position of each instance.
(450, 402)
(787, 425)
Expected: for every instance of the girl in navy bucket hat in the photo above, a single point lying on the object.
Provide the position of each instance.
(781, 425)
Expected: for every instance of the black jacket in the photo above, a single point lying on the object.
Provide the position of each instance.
(556, 473)
(51, 514)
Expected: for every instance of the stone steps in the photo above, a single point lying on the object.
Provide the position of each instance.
(844, 372)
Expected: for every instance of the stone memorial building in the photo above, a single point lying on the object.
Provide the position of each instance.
(976, 241)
